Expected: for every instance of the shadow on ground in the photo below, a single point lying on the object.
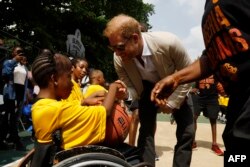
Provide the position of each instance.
(206, 144)
(161, 149)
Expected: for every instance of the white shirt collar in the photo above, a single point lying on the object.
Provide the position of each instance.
(145, 51)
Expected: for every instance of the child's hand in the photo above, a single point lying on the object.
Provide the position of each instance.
(122, 90)
(101, 93)
(94, 99)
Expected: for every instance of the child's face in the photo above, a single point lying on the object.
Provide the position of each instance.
(80, 70)
(101, 80)
(64, 85)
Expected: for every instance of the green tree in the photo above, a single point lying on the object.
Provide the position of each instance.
(38, 24)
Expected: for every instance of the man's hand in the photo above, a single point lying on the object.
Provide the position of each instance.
(122, 93)
(195, 91)
(162, 90)
(167, 110)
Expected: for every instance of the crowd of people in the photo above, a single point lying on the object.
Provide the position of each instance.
(155, 73)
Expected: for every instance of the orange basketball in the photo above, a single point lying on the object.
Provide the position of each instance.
(117, 126)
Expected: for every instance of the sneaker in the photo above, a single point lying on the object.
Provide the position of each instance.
(172, 120)
(156, 157)
(215, 148)
(194, 145)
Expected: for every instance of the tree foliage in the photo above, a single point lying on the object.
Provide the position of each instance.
(38, 24)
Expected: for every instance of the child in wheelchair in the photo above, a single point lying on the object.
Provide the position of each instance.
(79, 125)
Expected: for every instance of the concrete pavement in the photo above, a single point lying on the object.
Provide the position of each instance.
(202, 155)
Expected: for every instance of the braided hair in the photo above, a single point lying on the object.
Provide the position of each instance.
(46, 65)
(76, 60)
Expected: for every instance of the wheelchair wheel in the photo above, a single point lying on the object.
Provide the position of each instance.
(65, 154)
(93, 159)
(143, 164)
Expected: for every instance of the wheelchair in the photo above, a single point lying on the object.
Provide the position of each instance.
(51, 155)
(84, 156)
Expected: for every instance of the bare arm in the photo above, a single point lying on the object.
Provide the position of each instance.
(167, 85)
(188, 74)
(104, 98)
(111, 97)
(95, 98)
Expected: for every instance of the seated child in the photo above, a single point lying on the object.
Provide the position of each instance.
(97, 83)
(79, 125)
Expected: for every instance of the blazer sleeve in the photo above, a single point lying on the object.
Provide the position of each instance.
(180, 59)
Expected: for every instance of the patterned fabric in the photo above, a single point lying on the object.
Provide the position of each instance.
(227, 38)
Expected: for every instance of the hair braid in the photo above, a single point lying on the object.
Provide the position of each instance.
(42, 69)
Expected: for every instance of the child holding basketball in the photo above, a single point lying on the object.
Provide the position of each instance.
(118, 123)
(97, 83)
(80, 125)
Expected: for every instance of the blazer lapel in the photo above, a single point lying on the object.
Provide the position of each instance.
(157, 55)
(134, 75)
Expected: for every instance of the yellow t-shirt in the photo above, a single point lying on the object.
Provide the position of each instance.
(76, 93)
(223, 101)
(80, 125)
(92, 89)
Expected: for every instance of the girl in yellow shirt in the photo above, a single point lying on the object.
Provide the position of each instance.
(80, 125)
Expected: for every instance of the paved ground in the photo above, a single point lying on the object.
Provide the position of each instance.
(202, 155)
(165, 141)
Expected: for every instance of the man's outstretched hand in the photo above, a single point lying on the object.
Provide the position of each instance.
(162, 90)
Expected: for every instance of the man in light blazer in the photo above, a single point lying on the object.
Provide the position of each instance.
(141, 60)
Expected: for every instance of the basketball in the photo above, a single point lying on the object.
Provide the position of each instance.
(117, 126)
